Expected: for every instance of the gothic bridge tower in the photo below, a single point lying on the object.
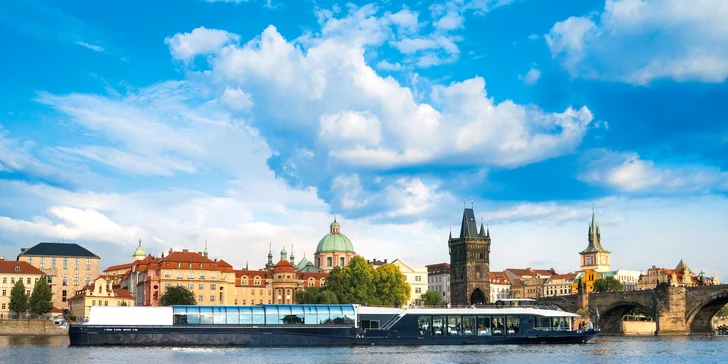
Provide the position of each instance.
(470, 262)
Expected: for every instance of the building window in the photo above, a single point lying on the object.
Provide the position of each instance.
(341, 261)
(5, 293)
(200, 298)
(30, 260)
(75, 264)
(5, 280)
(190, 275)
(201, 286)
(75, 280)
(212, 298)
(418, 278)
(167, 285)
(50, 280)
(418, 290)
(167, 274)
(202, 275)
(88, 264)
(88, 279)
(179, 275)
(329, 262)
(27, 280)
(12, 280)
(63, 295)
(65, 263)
(106, 303)
(213, 276)
(190, 286)
(3, 306)
(53, 263)
(213, 287)
(64, 282)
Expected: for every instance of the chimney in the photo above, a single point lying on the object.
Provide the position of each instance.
(385, 261)
(185, 250)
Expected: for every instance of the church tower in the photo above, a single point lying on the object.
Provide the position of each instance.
(470, 262)
(595, 256)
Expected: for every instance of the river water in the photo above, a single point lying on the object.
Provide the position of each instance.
(55, 350)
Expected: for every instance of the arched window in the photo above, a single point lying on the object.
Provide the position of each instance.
(329, 262)
(342, 261)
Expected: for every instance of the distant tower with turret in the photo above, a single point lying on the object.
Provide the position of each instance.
(470, 262)
(595, 256)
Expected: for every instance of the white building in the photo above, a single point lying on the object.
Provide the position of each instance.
(416, 276)
(628, 278)
(559, 285)
(438, 279)
(500, 287)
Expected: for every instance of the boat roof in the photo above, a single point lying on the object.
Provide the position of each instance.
(466, 311)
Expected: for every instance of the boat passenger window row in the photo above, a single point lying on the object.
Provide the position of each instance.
(468, 325)
(553, 323)
(265, 315)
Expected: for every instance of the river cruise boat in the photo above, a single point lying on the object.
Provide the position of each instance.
(509, 322)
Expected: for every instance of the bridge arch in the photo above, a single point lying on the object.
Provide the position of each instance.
(699, 317)
(610, 317)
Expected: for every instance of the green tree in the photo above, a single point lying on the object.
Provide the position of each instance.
(123, 303)
(326, 297)
(391, 285)
(40, 299)
(177, 295)
(18, 299)
(608, 284)
(308, 296)
(432, 298)
(353, 283)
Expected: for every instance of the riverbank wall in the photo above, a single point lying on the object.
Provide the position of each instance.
(31, 327)
(639, 328)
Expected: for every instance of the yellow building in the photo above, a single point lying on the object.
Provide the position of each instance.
(10, 273)
(212, 281)
(416, 276)
(594, 256)
(69, 267)
(99, 293)
(585, 281)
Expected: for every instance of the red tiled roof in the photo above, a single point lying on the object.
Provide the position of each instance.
(437, 267)
(119, 267)
(8, 266)
(122, 293)
(564, 276)
(185, 256)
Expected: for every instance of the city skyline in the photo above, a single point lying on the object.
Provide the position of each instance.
(249, 122)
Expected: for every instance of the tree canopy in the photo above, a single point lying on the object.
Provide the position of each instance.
(360, 283)
(177, 295)
(723, 312)
(18, 298)
(608, 284)
(40, 300)
(432, 298)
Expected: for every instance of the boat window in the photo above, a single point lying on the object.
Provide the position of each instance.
(337, 315)
(369, 324)
(297, 315)
(438, 325)
(205, 315)
(468, 325)
(323, 314)
(180, 315)
(498, 325)
(271, 315)
(193, 315)
(232, 317)
(453, 325)
(284, 315)
(310, 315)
(543, 322)
(246, 315)
(218, 315)
(484, 326)
(513, 323)
(424, 323)
(258, 315)
(349, 314)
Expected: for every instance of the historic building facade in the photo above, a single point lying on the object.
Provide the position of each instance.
(594, 256)
(10, 273)
(500, 287)
(416, 276)
(438, 279)
(99, 293)
(470, 262)
(559, 285)
(68, 267)
(334, 249)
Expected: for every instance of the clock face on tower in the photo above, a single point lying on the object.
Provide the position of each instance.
(589, 261)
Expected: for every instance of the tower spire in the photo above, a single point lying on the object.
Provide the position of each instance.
(205, 251)
(292, 258)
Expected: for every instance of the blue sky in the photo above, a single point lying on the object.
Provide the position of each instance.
(248, 122)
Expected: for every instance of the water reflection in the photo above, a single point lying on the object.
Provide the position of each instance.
(38, 349)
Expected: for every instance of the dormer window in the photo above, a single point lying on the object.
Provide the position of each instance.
(17, 268)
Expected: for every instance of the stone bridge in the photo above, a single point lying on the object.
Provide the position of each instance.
(677, 310)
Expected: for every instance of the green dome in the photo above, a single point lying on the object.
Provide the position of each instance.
(335, 242)
(139, 252)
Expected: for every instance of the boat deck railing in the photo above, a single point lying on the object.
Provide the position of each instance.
(477, 307)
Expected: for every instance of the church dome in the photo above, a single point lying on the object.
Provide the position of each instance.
(139, 252)
(335, 241)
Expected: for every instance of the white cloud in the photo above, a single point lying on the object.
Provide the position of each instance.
(386, 66)
(671, 39)
(531, 77)
(237, 99)
(451, 21)
(92, 47)
(627, 172)
(349, 127)
(185, 46)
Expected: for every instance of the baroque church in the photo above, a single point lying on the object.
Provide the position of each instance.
(470, 262)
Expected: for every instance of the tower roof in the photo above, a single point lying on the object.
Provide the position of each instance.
(595, 244)
(682, 265)
(335, 241)
(469, 227)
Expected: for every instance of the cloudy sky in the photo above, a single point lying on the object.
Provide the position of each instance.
(254, 122)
